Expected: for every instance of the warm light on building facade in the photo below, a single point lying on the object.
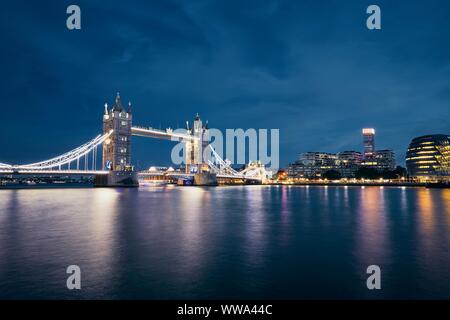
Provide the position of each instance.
(428, 157)
(368, 131)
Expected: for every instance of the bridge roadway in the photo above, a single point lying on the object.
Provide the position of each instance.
(78, 173)
(167, 134)
(222, 178)
(95, 172)
(181, 174)
(53, 172)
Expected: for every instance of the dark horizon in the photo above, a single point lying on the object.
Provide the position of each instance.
(313, 70)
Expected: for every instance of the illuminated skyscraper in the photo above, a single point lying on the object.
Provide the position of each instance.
(368, 142)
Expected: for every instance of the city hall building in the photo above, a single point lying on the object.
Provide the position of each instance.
(428, 157)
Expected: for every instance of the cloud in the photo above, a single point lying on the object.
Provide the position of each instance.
(311, 69)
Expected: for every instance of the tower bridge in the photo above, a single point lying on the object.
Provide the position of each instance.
(116, 167)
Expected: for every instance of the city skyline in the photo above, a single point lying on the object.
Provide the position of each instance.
(318, 75)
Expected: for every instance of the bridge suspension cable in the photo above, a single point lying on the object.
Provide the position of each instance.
(66, 158)
(254, 170)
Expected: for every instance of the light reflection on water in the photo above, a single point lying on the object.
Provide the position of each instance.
(225, 242)
(373, 228)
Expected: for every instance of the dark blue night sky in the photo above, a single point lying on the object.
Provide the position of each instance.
(310, 68)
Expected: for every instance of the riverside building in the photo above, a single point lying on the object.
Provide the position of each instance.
(314, 164)
(380, 160)
(428, 158)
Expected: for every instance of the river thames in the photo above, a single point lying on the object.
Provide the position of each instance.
(252, 242)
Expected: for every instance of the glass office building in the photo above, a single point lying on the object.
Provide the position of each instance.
(428, 157)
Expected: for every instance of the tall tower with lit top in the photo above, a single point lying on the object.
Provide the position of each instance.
(368, 142)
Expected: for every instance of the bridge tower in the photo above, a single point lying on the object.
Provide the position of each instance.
(197, 154)
(117, 148)
(196, 161)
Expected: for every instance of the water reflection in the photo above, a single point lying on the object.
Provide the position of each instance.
(433, 248)
(48, 230)
(403, 200)
(100, 240)
(426, 212)
(195, 214)
(445, 198)
(346, 198)
(372, 240)
(285, 213)
(9, 230)
(255, 226)
(239, 242)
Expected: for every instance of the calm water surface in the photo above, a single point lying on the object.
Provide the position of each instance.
(225, 242)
